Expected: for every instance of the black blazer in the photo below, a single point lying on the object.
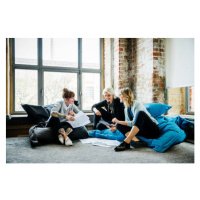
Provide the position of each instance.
(118, 108)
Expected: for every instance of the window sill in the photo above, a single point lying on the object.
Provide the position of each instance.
(22, 119)
(18, 125)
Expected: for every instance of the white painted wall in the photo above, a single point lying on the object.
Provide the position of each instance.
(179, 62)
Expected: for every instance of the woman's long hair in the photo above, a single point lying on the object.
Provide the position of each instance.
(128, 96)
(67, 93)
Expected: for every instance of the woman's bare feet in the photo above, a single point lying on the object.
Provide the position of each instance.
(67, 140)
(68, 131)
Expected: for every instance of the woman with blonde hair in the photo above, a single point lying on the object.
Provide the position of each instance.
(107, 110)
(138, 122)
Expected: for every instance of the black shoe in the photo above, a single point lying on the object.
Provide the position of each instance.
(138, 144)
(123, 146)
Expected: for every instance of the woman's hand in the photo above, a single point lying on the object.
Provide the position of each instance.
(70, 118)
(115, 120)
(71, 113)
(97, 112)
(113, 129)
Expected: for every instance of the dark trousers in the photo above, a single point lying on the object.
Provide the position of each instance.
(77, 133)
(55, 124)
(106, 117)
(147, 128)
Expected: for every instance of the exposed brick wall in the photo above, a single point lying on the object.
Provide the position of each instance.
(116, 65)
(159, 70)
(123, 63)
(138, 63)
(143, 85)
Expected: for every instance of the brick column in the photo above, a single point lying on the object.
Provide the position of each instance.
(123, 70)
(138, 63)
(143, 85)
(158, 70)
(116, 65)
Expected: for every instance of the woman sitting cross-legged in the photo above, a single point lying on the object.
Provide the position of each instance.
(62, 112)
(107, 109)
(138, 122)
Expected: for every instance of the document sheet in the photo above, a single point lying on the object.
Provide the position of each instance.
(100, 142)
(81, 119)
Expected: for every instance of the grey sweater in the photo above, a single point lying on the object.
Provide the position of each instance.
(137, 106)
(61, 107)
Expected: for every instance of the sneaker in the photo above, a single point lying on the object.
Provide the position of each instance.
(68, 142)
(123, 146)
(61, 138)
(138, 144)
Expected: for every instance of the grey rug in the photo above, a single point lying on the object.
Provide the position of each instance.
(18, 150)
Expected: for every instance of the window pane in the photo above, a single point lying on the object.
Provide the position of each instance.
(191, 99)
(60, 52)
(26, 88)
(91, 90)
(54, 82)
(91, 53)
(26, 51)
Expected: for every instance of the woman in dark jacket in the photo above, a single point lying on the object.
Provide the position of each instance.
(107, 110)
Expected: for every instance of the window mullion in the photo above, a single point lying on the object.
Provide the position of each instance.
(79, 81)
(13, 72)
(40, 74)
(101, 66)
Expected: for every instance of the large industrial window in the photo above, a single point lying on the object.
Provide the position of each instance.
(190, 100)
(43, 67)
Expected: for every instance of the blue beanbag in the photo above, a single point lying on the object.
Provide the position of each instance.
(107, 134)
(170, 134)
(156, 109)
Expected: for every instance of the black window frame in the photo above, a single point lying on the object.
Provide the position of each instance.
(43, 68)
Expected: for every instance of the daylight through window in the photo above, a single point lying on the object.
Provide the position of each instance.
(43, 67)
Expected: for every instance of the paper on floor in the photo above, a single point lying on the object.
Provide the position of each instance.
(100, 142)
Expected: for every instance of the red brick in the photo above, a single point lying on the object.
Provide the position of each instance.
(155, 76)
(155, 85)
(162, 85)
(155, 98)
(155, 49)
(121, 45)
(156, 54)
(155, 58)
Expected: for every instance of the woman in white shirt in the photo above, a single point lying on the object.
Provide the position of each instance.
(63, 111)
(138, 122)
